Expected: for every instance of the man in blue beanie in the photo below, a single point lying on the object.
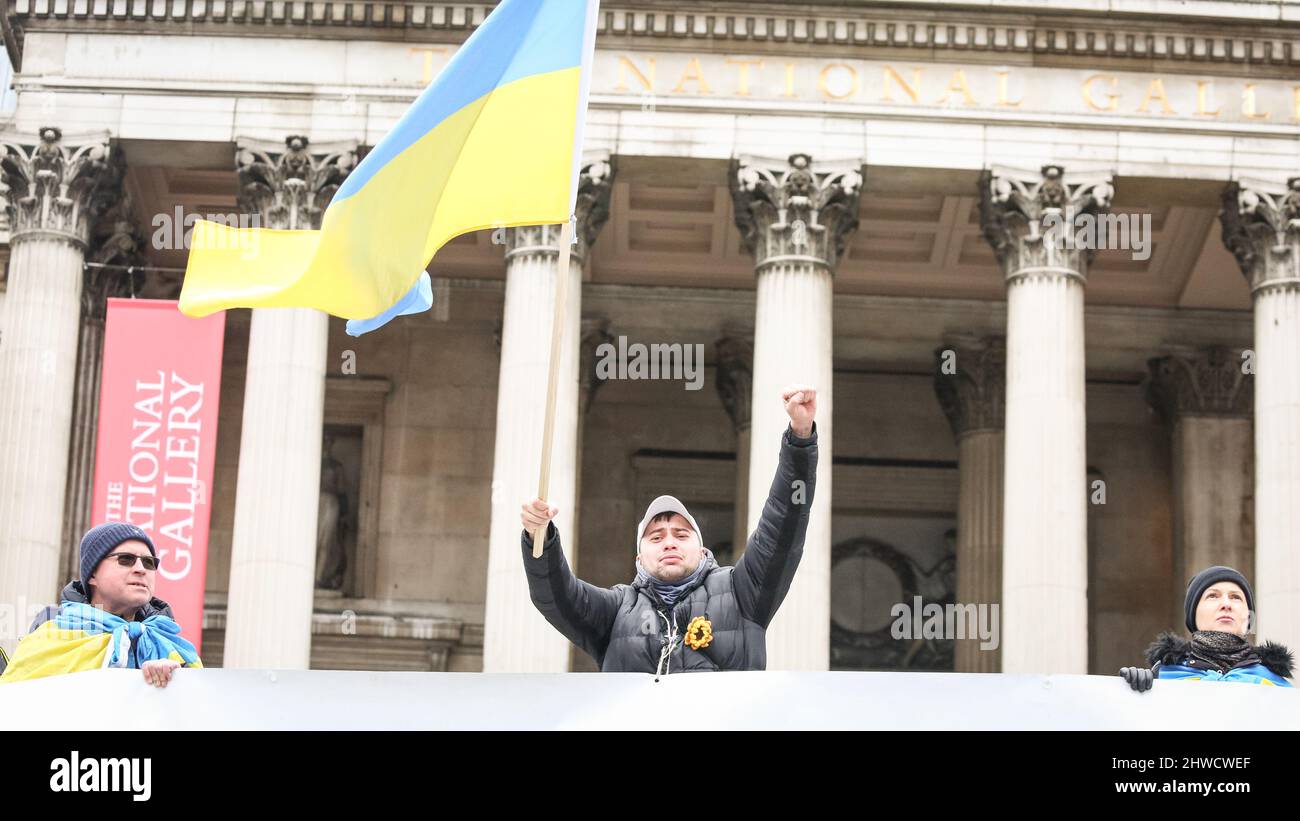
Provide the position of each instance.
(112, 611)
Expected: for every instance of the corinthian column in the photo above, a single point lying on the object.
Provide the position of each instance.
(594, 333)
(972, 393)
(735, 379)
(795, 218)
(273, 550)
(1045, 537)
(516, 639)
(1261, 226)
(116, 248)
(53, 190)
(1206, 400)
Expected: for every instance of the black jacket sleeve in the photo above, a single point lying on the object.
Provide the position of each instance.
(763, 575)
(582, 612)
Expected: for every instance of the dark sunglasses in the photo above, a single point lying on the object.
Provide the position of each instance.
(128, 560)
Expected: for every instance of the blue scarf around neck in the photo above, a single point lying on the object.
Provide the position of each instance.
(670, 592)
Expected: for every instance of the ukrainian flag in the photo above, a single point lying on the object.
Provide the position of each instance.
(495, 140)
(81, 637)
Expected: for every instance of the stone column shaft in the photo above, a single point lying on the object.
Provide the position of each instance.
(735, 362)
(268, 621)
(53, 192)
(277, 498)
(740, 527)
(38, 360)
(1206, 399)
(1045, 545)
(594, 333)
(81, 455)
(118, 248)
(516, 638)
(1261, 226)
(972, 395)
(795, 218)
(793, 343)
(980, 457)
(1213, 479)
(1277, 462)
(1045, 525)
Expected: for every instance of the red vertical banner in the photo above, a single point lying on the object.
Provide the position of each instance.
(157, 439)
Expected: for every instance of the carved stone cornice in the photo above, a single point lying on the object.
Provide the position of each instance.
(1252, 34)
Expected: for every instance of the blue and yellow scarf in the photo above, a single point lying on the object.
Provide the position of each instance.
(83, 637)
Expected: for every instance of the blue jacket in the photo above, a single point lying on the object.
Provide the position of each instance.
(1250, 674)
(1170, 659)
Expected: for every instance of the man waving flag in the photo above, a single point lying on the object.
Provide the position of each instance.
(494, 141)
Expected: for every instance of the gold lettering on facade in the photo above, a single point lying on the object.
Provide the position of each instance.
(1002, 92)
(426, 74)
(742, 82)
(789, 80)
(693, 74)
(1156, 91)
(625, 65)
(958, 83)
(909, 90)
(971, 87)
(825, 87)
(1113, 96)
(1202, 99)
(1248, 104)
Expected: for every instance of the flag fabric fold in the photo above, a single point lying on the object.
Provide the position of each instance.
(82, 637)
(494, 141)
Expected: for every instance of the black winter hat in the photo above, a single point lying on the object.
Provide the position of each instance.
(1203, 580)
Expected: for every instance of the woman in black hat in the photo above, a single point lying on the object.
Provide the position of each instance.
(1218, 608)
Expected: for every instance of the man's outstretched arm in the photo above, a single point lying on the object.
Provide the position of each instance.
(764, 573)
(582, 612)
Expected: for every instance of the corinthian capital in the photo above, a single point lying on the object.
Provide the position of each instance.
(1205, 382)
(1025, 214)
(970, 381)
(114, 259)
(289, 187)
(53, 187)
(793, 211)
(1261, 227)
(735, 377)
(595, 332)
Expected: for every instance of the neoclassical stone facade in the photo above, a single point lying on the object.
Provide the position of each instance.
(862, 198)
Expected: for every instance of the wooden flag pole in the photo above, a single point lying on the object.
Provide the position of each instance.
(553, 373)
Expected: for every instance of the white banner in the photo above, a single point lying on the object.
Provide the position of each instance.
(218, 699)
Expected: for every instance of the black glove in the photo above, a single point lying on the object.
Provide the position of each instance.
(1139, 678)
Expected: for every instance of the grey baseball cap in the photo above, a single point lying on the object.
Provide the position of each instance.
(664, 504)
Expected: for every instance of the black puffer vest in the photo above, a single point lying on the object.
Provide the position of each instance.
(644, 628)
(627, 628)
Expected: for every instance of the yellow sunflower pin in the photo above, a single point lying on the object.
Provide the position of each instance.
(699, 633)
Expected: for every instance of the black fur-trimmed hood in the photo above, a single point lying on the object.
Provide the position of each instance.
(1169, 648)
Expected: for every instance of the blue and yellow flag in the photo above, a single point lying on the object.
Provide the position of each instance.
(82, 637)
(494, 141)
